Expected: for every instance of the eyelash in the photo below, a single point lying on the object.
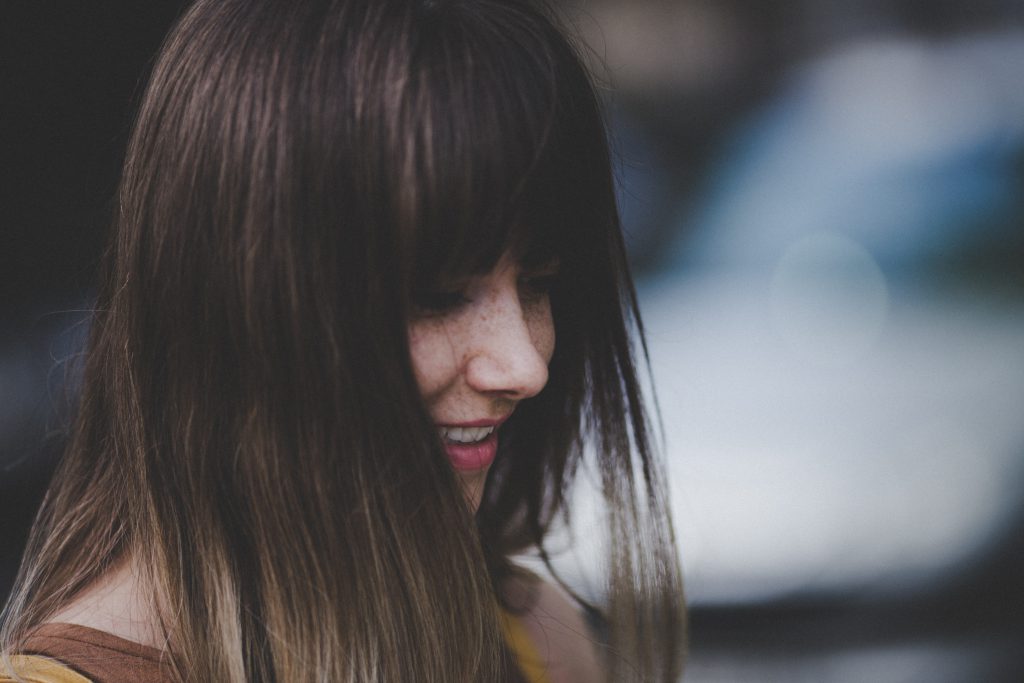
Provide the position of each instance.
(540, 285)
(439, 302)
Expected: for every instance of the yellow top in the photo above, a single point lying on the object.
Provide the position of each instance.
(526, 654)
(34, 669)
(40, 670)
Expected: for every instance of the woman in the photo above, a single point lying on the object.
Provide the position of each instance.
(365, 312)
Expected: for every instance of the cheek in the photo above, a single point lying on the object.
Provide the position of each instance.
(433, 356)
(542, 330)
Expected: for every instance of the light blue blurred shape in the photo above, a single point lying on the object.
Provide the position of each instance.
(899, 145)
(836, 422)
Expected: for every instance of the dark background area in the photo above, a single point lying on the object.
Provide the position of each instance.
(72, 75)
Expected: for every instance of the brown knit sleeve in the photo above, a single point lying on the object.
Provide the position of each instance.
(102, 657)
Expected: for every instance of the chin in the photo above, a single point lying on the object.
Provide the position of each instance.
(473, 487)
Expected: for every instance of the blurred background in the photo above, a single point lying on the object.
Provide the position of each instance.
(823, 202)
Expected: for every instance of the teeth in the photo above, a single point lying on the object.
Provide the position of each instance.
(466, 434)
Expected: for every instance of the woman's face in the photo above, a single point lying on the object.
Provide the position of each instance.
(477, 351)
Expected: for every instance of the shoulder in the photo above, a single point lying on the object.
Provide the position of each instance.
(565, 644)
(54, 652)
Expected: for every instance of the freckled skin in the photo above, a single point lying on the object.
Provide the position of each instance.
(478, 360)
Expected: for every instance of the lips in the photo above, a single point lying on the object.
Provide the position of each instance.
(467, 457)
(471, 445)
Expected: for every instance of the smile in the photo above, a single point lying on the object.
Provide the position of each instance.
(470, 448)
(466, 435)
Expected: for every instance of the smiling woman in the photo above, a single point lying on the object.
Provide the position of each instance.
(367, 267)
(475, 359)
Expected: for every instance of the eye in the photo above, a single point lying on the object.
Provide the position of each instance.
(437, 302)
(536, 287)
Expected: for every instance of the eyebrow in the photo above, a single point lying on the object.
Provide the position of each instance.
(549, 266)
(538, 257)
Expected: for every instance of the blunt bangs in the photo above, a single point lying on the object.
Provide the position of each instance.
(498, 126)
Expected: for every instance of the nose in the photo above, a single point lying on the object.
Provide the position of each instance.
(511, 348)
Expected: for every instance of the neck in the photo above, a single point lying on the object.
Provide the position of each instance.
(116, 603)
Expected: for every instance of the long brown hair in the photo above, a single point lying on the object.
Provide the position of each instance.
(249, 429)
